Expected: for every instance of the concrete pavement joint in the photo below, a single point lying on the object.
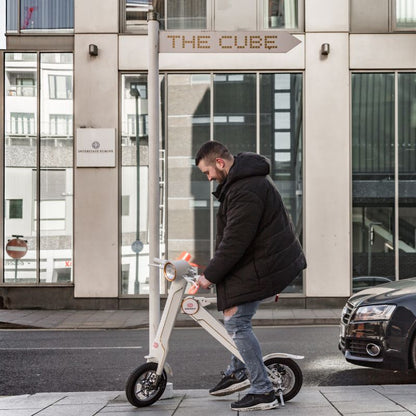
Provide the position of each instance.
(329, 401)
(396, 403)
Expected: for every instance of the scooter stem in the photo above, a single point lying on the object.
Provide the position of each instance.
(160, 346)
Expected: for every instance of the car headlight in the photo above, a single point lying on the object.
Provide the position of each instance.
(374, 313)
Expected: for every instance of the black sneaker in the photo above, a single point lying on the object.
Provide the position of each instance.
(256, 402)
(230, 384)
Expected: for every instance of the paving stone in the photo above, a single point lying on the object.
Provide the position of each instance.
(86, 409)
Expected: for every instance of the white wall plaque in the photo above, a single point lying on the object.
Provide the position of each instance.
(96, 148)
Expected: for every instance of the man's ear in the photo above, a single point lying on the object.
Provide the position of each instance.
(220, 163)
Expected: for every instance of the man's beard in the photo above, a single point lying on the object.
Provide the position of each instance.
(220, 175)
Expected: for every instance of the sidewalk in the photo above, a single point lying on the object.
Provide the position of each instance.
(397, 400)
(133, 319)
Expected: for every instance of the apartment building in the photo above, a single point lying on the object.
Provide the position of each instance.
(326, 89)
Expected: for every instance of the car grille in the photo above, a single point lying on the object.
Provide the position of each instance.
(346, 313)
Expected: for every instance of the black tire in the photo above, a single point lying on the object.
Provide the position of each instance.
(287, 376)
(412, 355)
(143, 387)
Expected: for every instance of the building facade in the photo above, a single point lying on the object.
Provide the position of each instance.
(335, 114)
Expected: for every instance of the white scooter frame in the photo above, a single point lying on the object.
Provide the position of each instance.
(147, 383)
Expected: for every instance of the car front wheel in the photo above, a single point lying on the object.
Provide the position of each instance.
(413, 352)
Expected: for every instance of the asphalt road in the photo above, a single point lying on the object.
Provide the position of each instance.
(47, 361)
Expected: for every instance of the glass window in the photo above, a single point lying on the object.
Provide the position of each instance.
(39, 15)
(188, 193)
(407, 174)
(373, 176)
(136, 13)
(281, 14)
(15, 208)
(281, 136)
(20, 162)
(384, 222)
(224, 107)
(60, 87)
(38, 158)
(134, 186)
(405, 14)
(186, 14)
(235, 111)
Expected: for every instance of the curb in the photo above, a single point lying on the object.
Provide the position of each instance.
(179, 324)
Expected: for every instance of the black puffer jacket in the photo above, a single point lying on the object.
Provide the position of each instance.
(257, 253)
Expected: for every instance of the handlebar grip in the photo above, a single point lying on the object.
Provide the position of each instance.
(193, 289)
(159, 261)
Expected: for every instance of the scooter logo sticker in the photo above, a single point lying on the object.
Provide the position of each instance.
(155, 345)
(190, 306)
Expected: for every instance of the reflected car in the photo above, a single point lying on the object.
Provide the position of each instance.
(363, 282)
(378, 326)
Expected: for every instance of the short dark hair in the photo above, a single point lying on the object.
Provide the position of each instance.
(211, 150)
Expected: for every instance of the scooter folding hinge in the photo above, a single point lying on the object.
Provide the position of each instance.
(205, 301)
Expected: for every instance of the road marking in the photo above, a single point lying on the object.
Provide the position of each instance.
(69, 348)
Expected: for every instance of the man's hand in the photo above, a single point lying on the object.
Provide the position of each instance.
(204, 282)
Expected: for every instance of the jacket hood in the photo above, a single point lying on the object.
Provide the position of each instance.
(245, 165)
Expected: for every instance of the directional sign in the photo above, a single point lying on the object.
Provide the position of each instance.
(226, 42)
(16, 248)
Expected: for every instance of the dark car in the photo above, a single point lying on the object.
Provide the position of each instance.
(378, 326)
(364, 282)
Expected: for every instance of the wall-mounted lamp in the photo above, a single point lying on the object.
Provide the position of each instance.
(93, 49)
(325, 49)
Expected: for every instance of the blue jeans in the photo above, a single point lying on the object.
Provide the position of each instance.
(239, 328)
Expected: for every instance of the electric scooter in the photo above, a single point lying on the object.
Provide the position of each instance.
(147, 383)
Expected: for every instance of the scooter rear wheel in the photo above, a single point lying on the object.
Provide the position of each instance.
(144, 387)
(285, 375)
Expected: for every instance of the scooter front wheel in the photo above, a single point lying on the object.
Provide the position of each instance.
(286, 376)
(144, 387)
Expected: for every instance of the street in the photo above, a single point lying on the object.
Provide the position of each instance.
(56, 361)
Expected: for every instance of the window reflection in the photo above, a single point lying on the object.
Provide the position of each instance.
(233, 118)
(134, 186)
(376, 240)
(281, 136)
(40, 15)
(20, 162)
(279, 14)
(406, 14)
(373, 175)
(46, 220)
(407, 174)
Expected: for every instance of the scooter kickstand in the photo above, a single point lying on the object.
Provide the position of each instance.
(282, 401)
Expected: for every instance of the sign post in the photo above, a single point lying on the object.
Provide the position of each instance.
(16, 248)
(154, 196)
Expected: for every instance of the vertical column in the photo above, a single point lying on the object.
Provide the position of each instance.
(327, 166)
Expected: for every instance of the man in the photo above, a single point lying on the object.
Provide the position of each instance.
(257, 255)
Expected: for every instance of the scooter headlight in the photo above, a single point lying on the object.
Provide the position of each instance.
(169, 271)
(175, 268)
